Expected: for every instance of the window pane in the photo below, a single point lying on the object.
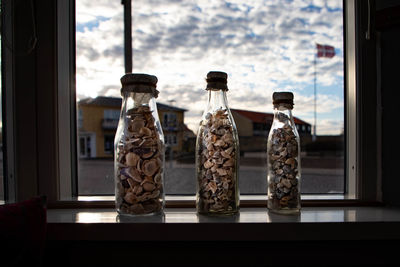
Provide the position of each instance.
(264, 46)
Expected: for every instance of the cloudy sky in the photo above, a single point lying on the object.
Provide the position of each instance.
(264, 46)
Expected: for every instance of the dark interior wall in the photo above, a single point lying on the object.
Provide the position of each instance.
(34, 87)
(388, 27)
(390, 71)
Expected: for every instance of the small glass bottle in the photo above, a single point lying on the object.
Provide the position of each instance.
(217, 152)
(283, 153)
(139, 148)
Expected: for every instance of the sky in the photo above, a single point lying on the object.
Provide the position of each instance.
(264, 46)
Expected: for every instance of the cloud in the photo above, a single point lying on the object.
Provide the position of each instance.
(264, 46)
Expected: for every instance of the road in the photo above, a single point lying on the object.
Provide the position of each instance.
(96, 177)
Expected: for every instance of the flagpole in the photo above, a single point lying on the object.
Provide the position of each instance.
(314, 136)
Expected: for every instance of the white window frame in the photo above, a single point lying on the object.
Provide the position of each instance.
(350, 94)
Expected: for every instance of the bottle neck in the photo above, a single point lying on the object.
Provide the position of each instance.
(132, 100)
(282, 114)
(216, 100)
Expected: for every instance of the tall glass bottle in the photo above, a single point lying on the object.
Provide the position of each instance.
(217, 152)
(283, 151)
(139, 148)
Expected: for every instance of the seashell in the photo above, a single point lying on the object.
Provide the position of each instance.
(217, 161)
(132, 183)
(216, 155)
(284, 200)
(225, 185)
(125, 183)
(286, 190)
(143, 109)
(145, 131)
(157, 178)
(222, 172)
(131, 159)
(139, 165)
(149, 154)
(137, 190)
(155, 194)
(214, 168)
(287, 169)
(151, 207)
(283, 153)
(276, 165)
(121, 165)
(210, 147)
(219, 142)
(220, 131)
(208, 164)
(147, 179)
(212, 186)
(286, 183)
(130, 198)
(224, 154)
(134, 174)
(137, 209)
(228, 138)
(148, 187)
(291, 162)
(150, 167)
(220, 113)
(137, 124)
(229, 163)
(229, 150)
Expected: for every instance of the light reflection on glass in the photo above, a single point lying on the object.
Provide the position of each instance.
(95, 217)
(322, 216)
(181, 216)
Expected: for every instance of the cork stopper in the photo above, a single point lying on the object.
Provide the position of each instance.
(283, 98)
(139, 83)
(217, 80)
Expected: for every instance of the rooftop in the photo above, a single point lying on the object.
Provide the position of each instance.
(261, 117)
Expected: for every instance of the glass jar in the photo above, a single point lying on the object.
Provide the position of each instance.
(139, 149)
(217, 152)
(283, 153)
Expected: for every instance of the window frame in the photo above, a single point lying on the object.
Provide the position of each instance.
(63, 186)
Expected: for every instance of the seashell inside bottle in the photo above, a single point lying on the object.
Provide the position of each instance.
(283, 154)
(217, 152)
(139, 149)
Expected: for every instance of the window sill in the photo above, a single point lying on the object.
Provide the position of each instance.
(252, 224)
(181, 201)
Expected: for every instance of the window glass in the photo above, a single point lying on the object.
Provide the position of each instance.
(264, 46)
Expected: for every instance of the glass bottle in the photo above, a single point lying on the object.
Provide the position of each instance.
(139, 149)
(283, 153)
(217, 152)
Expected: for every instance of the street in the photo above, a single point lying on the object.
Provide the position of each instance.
(96, 177)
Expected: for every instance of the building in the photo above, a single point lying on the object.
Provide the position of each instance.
(253, 128)
(252, 123)
(98, 120)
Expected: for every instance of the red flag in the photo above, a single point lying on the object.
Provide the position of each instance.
(325, 51)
